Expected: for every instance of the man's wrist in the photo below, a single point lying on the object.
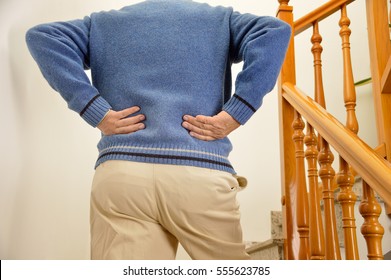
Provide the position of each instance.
(105, 115)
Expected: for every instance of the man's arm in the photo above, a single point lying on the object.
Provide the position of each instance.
(61, 50)
(261, 43)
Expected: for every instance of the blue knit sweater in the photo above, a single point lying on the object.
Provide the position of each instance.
(170, 58)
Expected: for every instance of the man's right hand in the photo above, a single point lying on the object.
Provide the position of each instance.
(119, 122)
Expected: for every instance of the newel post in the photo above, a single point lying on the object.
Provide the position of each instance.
(287, 148)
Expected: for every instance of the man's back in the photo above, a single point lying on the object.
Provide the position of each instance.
(170, 58)
(167, 58)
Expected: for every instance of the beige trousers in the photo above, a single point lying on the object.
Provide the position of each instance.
(141, 211)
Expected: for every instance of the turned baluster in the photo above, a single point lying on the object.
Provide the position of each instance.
(327, 174)
(317, 50)
(345, 179)
(370, 209)
(371, 229)
(326, 159)
(311, 154)
(301, 189)
(316, 233)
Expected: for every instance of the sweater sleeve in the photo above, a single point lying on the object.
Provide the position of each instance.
(61, 50)
(261, 43)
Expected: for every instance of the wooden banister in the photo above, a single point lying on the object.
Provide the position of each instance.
(310, 220)
(318, 15)
(375, 170)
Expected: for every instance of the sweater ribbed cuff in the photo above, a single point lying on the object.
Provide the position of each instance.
(95, 110)
(239, 109)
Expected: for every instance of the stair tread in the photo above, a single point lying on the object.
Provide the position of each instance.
(256, 246)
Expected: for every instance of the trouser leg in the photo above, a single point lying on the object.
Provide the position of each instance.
(124, 214)
(199, 207)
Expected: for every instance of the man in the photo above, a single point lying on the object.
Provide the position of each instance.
(161, 96)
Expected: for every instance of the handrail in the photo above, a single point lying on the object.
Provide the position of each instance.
(375, 170)
(318, 14)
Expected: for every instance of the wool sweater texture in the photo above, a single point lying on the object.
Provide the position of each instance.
(169, 57)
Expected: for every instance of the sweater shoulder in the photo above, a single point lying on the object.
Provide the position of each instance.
(165, 8)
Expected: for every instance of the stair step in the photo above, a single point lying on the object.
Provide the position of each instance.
(271, 249)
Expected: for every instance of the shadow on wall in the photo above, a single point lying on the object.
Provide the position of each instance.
(387, 256)
(45, 199)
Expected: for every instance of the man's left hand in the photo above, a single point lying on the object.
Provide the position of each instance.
(208, 128)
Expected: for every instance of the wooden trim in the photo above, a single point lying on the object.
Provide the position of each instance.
(375, 170)
(318, 14)
(380, 51)
(386, 79)
(381, 150)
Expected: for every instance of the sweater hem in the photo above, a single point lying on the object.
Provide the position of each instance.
(166, 156)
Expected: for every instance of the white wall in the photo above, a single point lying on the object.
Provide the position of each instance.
(48, 152)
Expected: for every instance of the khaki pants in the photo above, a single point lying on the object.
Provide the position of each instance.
(141, 211)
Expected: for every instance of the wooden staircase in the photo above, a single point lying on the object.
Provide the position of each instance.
(308, 201)
(273, 248)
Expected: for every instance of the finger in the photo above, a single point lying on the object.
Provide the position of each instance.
(130, 128)
(202, 137)
(198, 131)
(130, 124)
(128, 111)
(199, 121)
(212, 124)
(204, 119)
(130, 120)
